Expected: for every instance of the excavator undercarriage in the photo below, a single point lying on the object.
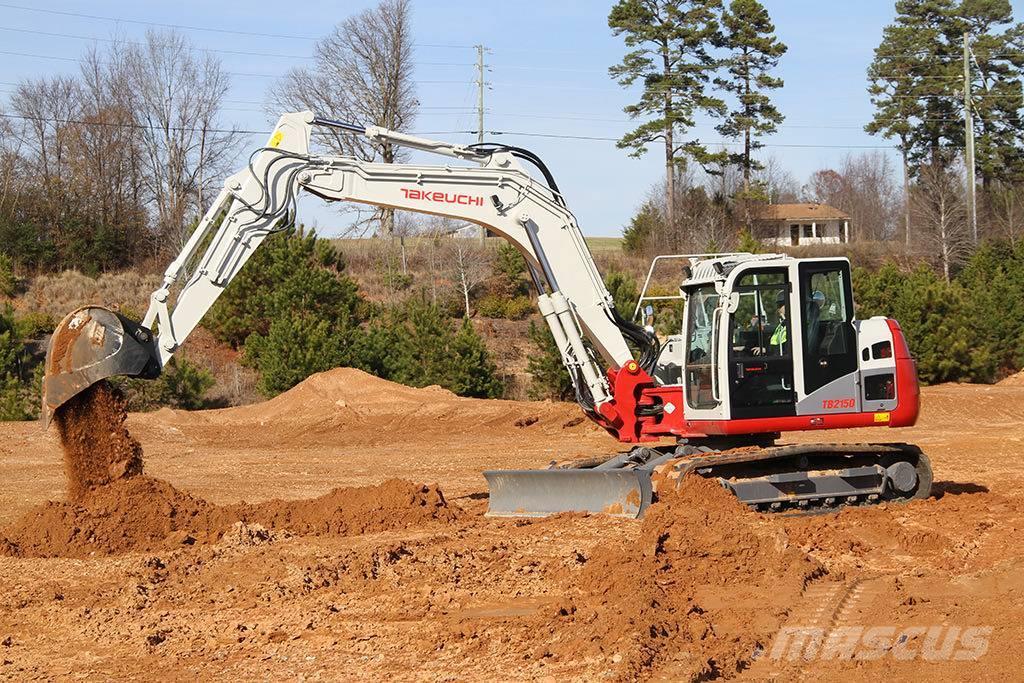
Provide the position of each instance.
(795, 479)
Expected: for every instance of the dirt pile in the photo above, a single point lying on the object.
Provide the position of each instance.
(97, 447)
(700, 594)
(113, 509)
(355, 401)
(143, 514)
(1016, 380)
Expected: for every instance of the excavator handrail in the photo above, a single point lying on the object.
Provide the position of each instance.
(660, 257)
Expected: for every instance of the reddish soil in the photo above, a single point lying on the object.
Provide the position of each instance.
(97, 447)
(338, 568)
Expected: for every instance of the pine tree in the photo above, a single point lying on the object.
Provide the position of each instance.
(916, 85)
(670, 45)
(545, 366)
(753, 52)
(995, 42)
(911, 83)
(472, 373)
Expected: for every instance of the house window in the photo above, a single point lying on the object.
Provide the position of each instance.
(808, 231)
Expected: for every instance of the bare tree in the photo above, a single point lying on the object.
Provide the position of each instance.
(864, 186)
(465, 259)
(1005, 207)
(175, 95)
(941, 217)
(362, 72)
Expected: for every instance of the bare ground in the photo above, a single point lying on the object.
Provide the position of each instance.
(698, 590)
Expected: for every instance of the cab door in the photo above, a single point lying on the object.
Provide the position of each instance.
(828, 336)
(760, 363)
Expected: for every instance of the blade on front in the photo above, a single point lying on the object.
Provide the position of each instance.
(538, 493)
(90, 344)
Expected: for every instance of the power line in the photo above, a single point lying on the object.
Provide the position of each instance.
(138, 126)
(135, 42)
(184, 27)
(558, 136)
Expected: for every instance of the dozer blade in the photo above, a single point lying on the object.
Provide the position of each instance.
(538, 493)
(91, 344)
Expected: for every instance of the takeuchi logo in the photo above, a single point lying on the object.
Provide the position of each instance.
(442, 197)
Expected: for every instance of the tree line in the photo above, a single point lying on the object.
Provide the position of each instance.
(692, 55)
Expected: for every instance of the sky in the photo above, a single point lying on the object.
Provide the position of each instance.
(547, 74)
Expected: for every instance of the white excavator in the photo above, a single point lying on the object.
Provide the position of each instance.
(768, 342)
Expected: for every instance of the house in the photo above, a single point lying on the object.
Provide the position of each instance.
(786, 225)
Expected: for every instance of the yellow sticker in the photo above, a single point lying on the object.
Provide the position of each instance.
(276, 139)
(882, 417)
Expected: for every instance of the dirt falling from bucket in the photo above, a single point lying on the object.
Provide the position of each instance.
(97, 447)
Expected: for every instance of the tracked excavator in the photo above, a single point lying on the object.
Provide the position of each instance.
(767, 344)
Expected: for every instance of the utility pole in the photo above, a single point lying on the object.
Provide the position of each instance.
(481, 84)
(972, 205)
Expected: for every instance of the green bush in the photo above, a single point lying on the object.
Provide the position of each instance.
(181, 385)
(292, 273)
(472, 372)
(297, 346)
(550, 379)
(35, 325)
(936, 318)
(494, 306)
(624, 291)
(414, 344)
(645, 224)
(8, 283)
(20, 382)
(509, 267)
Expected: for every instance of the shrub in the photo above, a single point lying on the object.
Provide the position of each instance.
(935, 317)
(297, 346)
(8, 283)
(414, 344)
(35, 325)
(291, 274)
(550, 379)
(20, 382)
(472, 372)
(508, 267)
(647, 222)
(181, 385)
(624, 291)
(518, 308)
(494, 306)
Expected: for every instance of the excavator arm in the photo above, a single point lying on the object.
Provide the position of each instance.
(494, 192)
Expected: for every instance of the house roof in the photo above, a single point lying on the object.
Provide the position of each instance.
(798, 212)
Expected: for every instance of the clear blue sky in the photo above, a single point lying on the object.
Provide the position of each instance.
(548, 72)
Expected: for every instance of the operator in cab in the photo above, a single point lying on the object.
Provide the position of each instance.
(779, 343)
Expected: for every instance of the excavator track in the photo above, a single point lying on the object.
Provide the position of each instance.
(795, 479)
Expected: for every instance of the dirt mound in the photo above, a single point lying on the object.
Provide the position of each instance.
(700, 594)
(341, 390)
(1016, 380)
(355, 401)
(395, 504)
(143, 514)
(140, 513)
(97, 447)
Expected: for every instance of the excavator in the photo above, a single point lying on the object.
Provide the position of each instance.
(768, 343)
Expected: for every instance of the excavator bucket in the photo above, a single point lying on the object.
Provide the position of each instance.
(91, 344)
(538, 493)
